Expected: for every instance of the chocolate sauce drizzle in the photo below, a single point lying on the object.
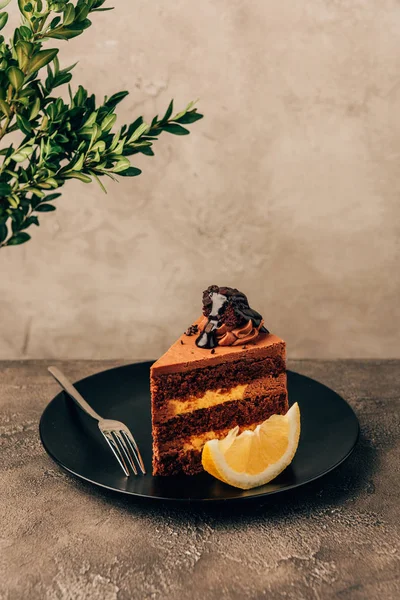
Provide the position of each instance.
(225, 305)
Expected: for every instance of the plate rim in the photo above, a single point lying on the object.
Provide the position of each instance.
(205, 499)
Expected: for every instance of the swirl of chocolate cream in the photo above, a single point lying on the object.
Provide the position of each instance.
(229, 320)
(234, 336)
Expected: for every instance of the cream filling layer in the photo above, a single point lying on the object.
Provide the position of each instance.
(196, 442)
(210, 398)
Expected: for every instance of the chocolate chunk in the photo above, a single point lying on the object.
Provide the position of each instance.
(212, 350)
(182, 342)
(192, 330)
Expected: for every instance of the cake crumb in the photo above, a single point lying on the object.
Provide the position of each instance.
(182, 342)
(212, 350)
(244, 347)
(192, 330)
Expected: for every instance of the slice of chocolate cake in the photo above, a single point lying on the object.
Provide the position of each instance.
(226, 370)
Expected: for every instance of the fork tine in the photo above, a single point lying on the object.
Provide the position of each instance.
(135, 450)
(117, 446)
(125, 449)
(117, 453)
(132, 449)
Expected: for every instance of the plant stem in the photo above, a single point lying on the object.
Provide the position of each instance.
(9, 117)
(3, 130)
(39, 32)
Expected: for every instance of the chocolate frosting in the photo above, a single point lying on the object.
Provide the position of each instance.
(228, 319)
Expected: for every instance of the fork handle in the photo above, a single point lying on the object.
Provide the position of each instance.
(73, 393)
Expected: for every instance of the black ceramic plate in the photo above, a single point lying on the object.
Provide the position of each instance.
(329, 432)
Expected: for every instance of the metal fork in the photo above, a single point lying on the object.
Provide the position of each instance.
(117, 435)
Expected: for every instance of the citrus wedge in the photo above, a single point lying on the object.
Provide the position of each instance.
(254, 458)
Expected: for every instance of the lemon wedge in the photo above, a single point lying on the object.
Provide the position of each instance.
(254, 458)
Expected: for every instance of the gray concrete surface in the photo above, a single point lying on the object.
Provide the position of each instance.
(288, 189)
(61, 539)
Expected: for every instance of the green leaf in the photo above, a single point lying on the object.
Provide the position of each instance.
(139, 131)
(85, 24)
(61, 79)
(45, 208)
(24, 125)
(54, 22)
(3, 3)
(3, 19)
(69, 14)
(5, 108)
(68, 69)
(175, 129)
(190, 117)
(25, 32)
(17, 218)
(5, 189)
(17, 37)
(147, 151)
(3, 232)
(13, 200)
(119, 148)
(21, 4)
(32, 220)
(122, 165)
(35, 192)
(77, 175)
(18, 157)
(136, 148)
(115, 99)
(82, 12)
(27, 92)
(91, 120)
(65, 33)
(35, 109)
(183, 112)
(79, 163)
(115, 140)
(56, 63)
(108, 122)
(131, 172)
(15, 77)
(132, 127)
(23, 50)
(50, 197)
(19, 238)
(169, 112)
(22, 153)
(52, 182)
(41, 58)
(99, 182)
(100, 145)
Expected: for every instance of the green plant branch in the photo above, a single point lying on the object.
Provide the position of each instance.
(61, 141)
(4, 128)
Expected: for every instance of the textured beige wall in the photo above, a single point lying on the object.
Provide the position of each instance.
(289, 189)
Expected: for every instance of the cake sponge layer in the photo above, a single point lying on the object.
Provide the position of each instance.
(227, 415)
(197, 382)
(179, 459)
(268, 386)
